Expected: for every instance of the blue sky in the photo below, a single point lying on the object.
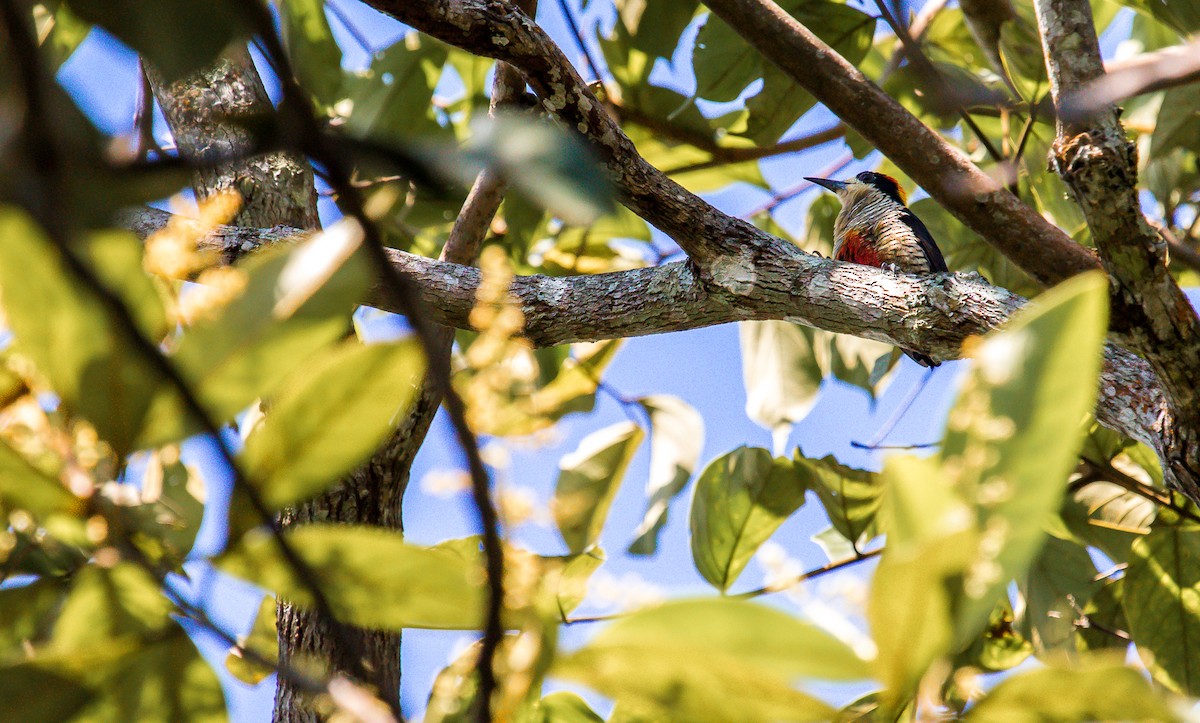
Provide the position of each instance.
(702, 367)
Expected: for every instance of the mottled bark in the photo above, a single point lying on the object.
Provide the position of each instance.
(1098, 162)
(211, 114)
(934, 314)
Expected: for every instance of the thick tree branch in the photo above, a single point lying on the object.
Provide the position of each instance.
(1099, 164)
(211, 113)
(790, 285)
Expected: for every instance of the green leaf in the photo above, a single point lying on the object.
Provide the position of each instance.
(1162, 605)
(654, 26)
(1103, 689)
(1107, 627)
(560, 707)
(392, 100)
(24, 487)
(1181, 15)
(780, 373)
(371, 577)
(107, 603)
(569, 575)
(315, 55)
(851, 497)
(588, 480)
(177, 36)
(59, 31)
(1178, 123)
(326, 424)
(929, 542)
(297, 301)
(1109, 517)
(91, 361)
(712, 660)
(26, 612)
(741, 499)
(172, 509)
(1062, 574)
(553, 168)
(1032, 381)
(262, 640)
(999, 647)
(41, 695)
(676, 438)
(962, 525)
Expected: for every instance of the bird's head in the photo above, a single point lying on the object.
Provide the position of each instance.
(866, 186)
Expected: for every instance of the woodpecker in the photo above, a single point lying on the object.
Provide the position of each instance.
(876, 228)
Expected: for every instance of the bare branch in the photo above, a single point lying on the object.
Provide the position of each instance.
(790, 285)
(1099, 164)
(1161, 69)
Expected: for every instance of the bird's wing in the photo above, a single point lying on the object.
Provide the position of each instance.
(928, 245)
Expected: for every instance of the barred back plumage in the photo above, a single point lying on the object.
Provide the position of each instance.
(876, 228)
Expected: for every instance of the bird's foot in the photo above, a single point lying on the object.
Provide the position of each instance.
(891, 268)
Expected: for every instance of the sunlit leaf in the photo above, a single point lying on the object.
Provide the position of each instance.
(676, 438)
(314, 53)
(588, 480)
(326, 424)
(24, 487)
(1162, 604)
(370, 576)
(569, 575)
(1034, 380)
(560, 707)
(91, 361)
(1108, 516)
(262, 641)
(741, 498)
(962, 525)
(1101, 690)
(929, 541)
(296, 301)
(1061, 580)
(851, 497)
(712, 660)
(780, 373)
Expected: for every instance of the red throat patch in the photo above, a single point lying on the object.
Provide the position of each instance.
(856, 250)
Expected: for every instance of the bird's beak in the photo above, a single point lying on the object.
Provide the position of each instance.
(829, 183)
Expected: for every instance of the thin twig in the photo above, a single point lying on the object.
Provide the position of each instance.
(816, 572)
(784, 196)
